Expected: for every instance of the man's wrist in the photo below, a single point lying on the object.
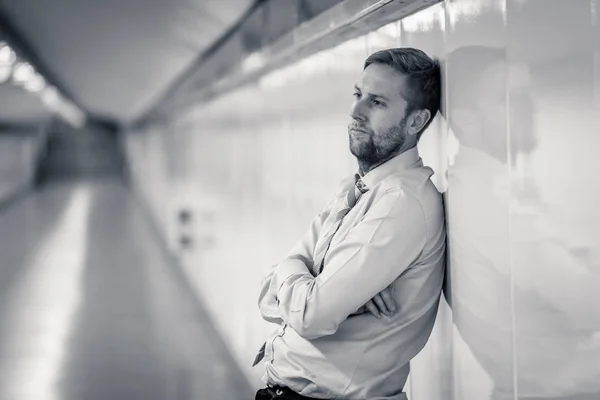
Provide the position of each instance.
(287, 268)
(361, 310)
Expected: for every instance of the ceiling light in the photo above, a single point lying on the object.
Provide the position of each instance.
(5, 72)
(72, 114)
(23, 72)
(50, 97)
(7, 55)
(35, 83)
(24, 75)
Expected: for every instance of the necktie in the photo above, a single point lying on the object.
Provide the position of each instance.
(350, 201)
(352, 197)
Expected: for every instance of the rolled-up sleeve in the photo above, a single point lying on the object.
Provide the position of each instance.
(301, 255)
(376, 251)
(267, 299)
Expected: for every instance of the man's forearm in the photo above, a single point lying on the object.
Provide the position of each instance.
(267, 301)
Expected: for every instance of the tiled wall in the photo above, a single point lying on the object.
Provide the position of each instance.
(515, 153)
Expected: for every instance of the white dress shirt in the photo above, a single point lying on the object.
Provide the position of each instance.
(394, 234)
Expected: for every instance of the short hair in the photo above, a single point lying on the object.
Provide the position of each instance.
(423, 77)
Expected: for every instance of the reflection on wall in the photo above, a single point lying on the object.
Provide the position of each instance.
(523, 273)
(514, 152)
(554, 256)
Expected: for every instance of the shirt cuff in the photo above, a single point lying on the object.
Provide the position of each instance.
(288, 268)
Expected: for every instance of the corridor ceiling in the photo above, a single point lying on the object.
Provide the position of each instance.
(116, 58)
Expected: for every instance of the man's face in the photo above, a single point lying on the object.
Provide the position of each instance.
(377, 127)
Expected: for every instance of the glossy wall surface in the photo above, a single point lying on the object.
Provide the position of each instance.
(515, 152)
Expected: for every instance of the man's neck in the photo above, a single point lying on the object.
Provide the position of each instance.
(364, 167)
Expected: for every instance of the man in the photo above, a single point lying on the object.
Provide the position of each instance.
(521, 293)
(357, 297)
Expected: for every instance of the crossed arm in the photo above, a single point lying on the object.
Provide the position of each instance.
(376, 251)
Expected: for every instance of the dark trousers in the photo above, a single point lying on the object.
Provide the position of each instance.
(279, 393)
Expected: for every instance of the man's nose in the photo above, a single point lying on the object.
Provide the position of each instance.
(357, 112)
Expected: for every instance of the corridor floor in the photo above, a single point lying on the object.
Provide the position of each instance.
(92, 307)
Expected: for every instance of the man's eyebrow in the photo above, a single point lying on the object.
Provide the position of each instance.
(380, 96)
(372, 95)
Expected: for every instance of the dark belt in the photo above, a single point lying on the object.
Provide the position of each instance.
(280, 393)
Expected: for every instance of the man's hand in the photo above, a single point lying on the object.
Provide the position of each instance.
(382, 303)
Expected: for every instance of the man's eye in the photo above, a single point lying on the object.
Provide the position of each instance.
(357, 95)
(378, 103)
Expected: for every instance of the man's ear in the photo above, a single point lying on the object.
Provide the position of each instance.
(418, 120)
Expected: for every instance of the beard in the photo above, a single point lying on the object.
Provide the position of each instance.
(373, 147)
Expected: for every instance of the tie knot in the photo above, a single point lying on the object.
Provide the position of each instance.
(360, 185)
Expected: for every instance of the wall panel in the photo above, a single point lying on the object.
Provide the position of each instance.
(477, 206)
(554, 218)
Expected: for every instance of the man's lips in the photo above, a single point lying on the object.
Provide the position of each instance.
(356, 129)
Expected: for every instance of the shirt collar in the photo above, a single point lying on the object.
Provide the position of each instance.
(401, 162)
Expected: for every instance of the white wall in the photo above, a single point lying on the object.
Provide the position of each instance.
(257, 164)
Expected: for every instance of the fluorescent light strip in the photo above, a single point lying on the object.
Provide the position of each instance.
(24, 74)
